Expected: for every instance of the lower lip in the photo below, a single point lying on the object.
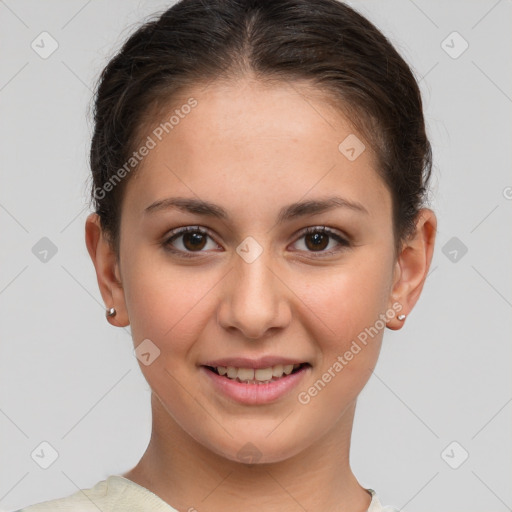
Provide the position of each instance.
(253, 394)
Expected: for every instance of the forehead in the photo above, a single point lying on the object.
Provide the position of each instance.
(246, 144)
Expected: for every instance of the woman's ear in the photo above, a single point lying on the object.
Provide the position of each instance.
(107, 270)
(412, 265)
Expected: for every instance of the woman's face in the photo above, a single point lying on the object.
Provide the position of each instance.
(255, 286)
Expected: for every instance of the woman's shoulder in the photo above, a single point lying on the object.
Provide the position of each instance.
(114, 494)
(118, 494)
(84, 500)
(376, 505)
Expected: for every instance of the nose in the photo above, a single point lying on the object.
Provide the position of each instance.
(254, 299)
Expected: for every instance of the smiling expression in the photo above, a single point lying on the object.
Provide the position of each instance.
(257, 165)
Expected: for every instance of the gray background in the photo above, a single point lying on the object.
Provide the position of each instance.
(72, 380)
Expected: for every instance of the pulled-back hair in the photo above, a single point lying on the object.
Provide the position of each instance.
(323, 42)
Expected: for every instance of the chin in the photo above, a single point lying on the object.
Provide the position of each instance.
(258, 449)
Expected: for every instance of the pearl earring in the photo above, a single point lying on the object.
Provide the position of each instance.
(110, 312)
(401, 317)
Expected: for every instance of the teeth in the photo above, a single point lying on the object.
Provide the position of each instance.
(257, 376)
(245, 373)
(262, 374)
(288, 369)
(277, 370)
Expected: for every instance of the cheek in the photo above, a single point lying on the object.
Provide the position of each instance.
(167, 303)
(345, 305)
(168, 306)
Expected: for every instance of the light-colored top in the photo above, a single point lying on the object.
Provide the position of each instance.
(119, 494)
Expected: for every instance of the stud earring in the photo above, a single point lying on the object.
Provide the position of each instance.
(110, 312)
(401, 317)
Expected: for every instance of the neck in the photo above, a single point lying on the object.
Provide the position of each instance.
(189, 476)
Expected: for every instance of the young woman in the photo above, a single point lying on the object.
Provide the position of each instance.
(260, 171)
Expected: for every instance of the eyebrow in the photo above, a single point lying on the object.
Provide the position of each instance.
(287, 213)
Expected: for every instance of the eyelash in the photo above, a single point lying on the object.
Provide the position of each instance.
(308, 231)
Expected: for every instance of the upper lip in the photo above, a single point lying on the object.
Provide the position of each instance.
(245, 362)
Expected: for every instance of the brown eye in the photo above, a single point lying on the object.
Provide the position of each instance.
(317, 239)
(186, 241)
(194, 241)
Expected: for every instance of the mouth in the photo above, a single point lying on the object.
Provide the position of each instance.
(258, 376)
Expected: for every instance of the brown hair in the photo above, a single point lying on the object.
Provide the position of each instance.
(324, 42)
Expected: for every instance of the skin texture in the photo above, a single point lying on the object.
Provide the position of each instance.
(252, 149)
